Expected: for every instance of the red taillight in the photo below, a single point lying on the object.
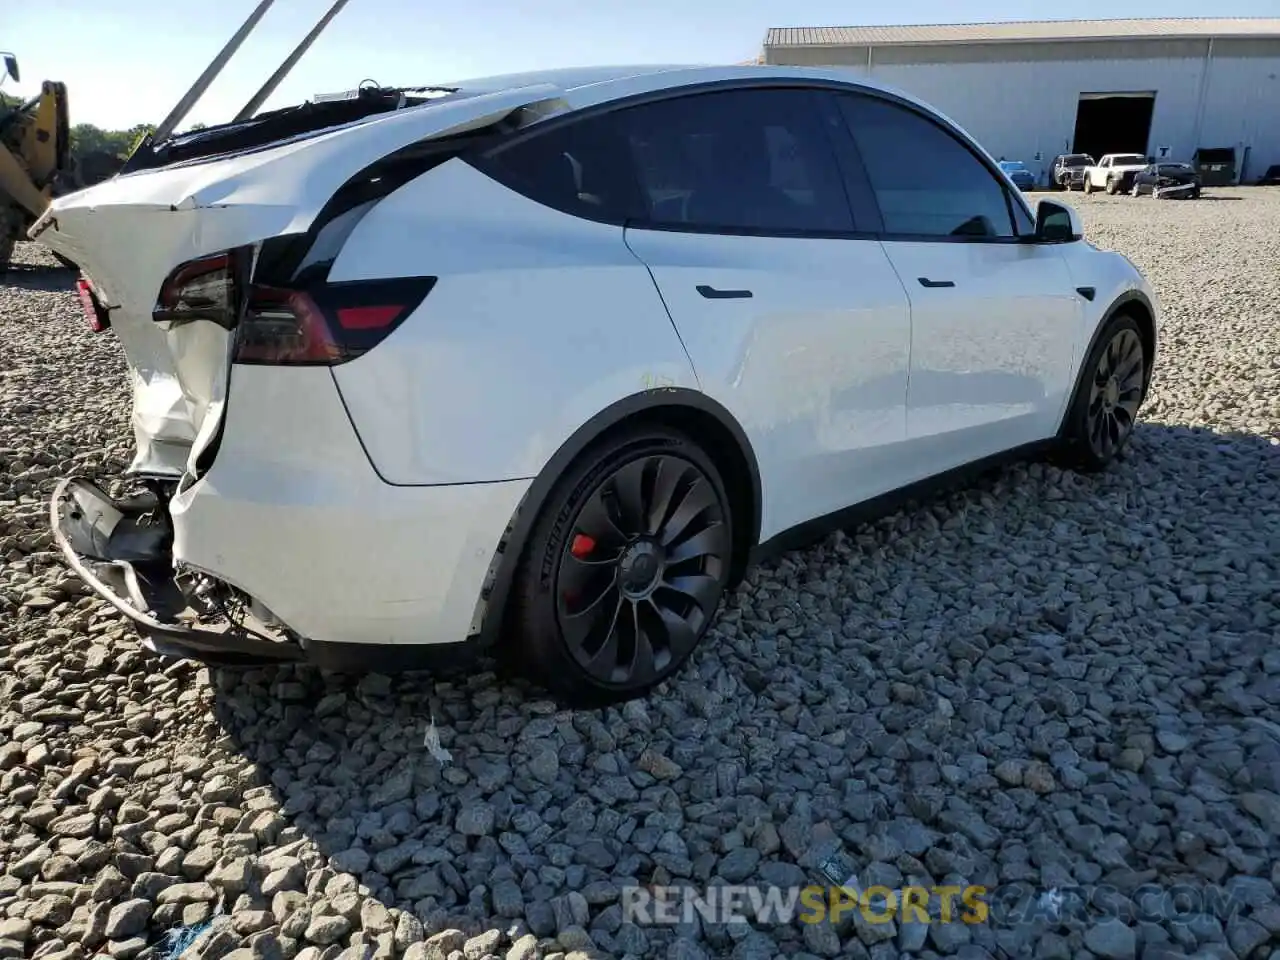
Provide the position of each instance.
(325, 324)
(368, 318)
(204, 289)
(284, 326)
(97, 315)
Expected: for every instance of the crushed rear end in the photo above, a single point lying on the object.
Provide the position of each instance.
(257, 528)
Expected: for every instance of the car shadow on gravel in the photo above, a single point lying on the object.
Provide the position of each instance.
(476, 804)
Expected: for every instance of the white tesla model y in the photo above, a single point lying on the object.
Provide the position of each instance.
(552, 358)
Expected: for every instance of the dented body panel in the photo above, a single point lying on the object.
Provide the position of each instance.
(129, 233)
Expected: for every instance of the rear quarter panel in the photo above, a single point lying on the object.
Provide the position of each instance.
(539, 320)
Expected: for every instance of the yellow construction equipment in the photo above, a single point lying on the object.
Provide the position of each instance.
(36, 164)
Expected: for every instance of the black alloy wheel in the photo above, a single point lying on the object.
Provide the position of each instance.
(1115, 393)
(1112, 387)
(631, 567)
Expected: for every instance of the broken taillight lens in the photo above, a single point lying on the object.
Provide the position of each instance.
(327, 324)
(204, 289)
(98, 316)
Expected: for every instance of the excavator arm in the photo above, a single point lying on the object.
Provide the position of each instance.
(35, 161)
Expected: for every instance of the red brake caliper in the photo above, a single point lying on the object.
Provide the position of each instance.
(580, 548)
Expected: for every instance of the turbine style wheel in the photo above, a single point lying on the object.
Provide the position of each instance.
(1113, 386)
(626, 567)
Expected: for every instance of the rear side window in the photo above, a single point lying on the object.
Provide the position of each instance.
(753, 160)
(583, 168)
(739, 161)
(926, 182)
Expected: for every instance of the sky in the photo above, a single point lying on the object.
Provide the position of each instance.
(129, 61)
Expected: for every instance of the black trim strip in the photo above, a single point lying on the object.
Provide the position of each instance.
(1087, 292)
(811, 531)
(935, 284)
(485, 153)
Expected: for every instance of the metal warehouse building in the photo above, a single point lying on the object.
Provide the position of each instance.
(1157, 87)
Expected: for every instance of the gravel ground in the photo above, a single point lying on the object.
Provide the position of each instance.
(1043, 682)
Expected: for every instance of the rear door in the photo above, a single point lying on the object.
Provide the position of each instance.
(994, 314)
(792, 319)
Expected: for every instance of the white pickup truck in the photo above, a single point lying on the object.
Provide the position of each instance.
(1114, 172)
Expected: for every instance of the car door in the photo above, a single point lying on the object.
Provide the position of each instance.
(792, 319)
(994, 314)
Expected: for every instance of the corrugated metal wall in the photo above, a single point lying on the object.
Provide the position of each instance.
(1017, 99)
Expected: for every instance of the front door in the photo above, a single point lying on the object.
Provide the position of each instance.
(995, 316)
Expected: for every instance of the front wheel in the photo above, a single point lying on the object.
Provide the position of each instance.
(1111, 187)
(1088, 185)
(1135, 191)
(1111, 387)
(625, 567)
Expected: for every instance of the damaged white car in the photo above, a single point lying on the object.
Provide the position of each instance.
(551, 358)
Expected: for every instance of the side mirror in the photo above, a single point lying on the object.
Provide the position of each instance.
(1057, 222)
(11, 67)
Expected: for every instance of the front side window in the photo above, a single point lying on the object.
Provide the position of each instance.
(754, 160)
(926, 181)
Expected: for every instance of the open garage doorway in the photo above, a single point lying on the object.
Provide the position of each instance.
(1113, 123)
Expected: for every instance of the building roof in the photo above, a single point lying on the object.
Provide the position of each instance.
(1025, 31)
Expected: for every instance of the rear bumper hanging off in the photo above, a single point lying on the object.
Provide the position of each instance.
(128, 564)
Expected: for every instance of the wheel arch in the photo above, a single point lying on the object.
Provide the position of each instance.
(689, 411)
(1136, 304)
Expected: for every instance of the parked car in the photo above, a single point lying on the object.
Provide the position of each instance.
(1114, 172)
(1017, 171)
(1067, 170)
(1166, 179)
(551, 358)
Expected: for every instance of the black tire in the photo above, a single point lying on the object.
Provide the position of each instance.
(641, 525)
(1112, 385)
(1111, 187)
(1088, 185)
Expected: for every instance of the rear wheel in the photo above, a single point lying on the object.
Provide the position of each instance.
(1135, 191)
(625, 567)
(1111, 186)
(1112, 386)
